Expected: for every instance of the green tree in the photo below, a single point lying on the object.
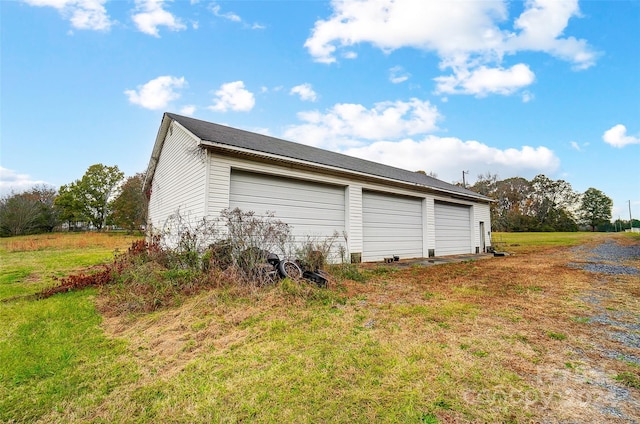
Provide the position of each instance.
(69, 205)
(595, 208)
(129, 209)
(88, 199)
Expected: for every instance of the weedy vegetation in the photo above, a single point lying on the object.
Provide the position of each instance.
(193, 334)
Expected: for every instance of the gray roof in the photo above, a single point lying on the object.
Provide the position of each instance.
(221, 134)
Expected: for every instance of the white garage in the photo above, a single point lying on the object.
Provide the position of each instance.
(311, 209)
(453, 229)
(199, 169)
(392, 225)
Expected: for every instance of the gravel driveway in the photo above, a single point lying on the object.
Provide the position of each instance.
(607, 261)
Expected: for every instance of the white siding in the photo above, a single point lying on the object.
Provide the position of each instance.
(453, 229)
(430, 224)
(219, 183)
(482, 213)
(392, 225)
(354, 218)
(179, 180)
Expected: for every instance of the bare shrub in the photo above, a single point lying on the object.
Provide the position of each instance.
(252, 237)
(186, 240)
(315, 251)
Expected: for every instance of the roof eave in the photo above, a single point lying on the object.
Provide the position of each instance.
(250, 152)
(155, 153)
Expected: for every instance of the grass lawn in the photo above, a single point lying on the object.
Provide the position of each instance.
(495, 340)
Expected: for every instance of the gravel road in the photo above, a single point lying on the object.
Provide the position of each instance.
(621, 404)
(606, 257)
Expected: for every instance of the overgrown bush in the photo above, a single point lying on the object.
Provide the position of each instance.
(195, 255)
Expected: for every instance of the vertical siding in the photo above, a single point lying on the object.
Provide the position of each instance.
(354, 218)
(482, 213)
(219, 185)
(179, 179)
(430, 227)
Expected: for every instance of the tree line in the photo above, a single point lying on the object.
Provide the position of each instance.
(543, 204)
(102, 197)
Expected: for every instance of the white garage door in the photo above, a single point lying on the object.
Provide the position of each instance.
(311, 209)
(392, 225)
(453, 229)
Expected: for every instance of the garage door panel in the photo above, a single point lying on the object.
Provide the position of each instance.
(453, 229)
(311, 209)
(392, 225)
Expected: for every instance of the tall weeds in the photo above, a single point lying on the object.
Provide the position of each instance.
(190, 256)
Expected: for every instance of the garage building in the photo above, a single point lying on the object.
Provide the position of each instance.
(201, 168)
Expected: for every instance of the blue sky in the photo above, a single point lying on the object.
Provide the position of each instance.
(507, 88)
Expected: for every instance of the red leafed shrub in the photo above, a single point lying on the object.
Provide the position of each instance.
(108, 273)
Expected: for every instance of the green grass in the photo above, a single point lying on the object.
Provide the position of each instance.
(30, 263)
(53, 353)
(421, 350)
(527, 240)
(629, 379)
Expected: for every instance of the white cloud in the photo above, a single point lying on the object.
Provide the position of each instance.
(11, 180)
(83, 14)
(397, 134)
(349, 124)
(527, 97)
(233, 96)
(157, 93)
(150, 14)
(448, 156)
(305, 91)
(617, 136)
(216, 9)
(228, 15)
(188, 110)
(397, 75)
(468, 36)
(482, 81)
(541, 27)
(577, 146)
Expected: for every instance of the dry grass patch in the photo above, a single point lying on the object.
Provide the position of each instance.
(522, 338)
(65, 241)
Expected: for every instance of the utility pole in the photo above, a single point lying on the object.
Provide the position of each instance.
(464, 183)
(630, 220)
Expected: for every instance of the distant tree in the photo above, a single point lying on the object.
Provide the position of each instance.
(47, 218)
(595, 208)
(129, 209)
(88, 199)
(553, 202)
(18, 214)
(69, 205)
(30, 212)
(512, 209)
(485, 184)
(430, 173)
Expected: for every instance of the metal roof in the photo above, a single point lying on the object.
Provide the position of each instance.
(236, 138)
